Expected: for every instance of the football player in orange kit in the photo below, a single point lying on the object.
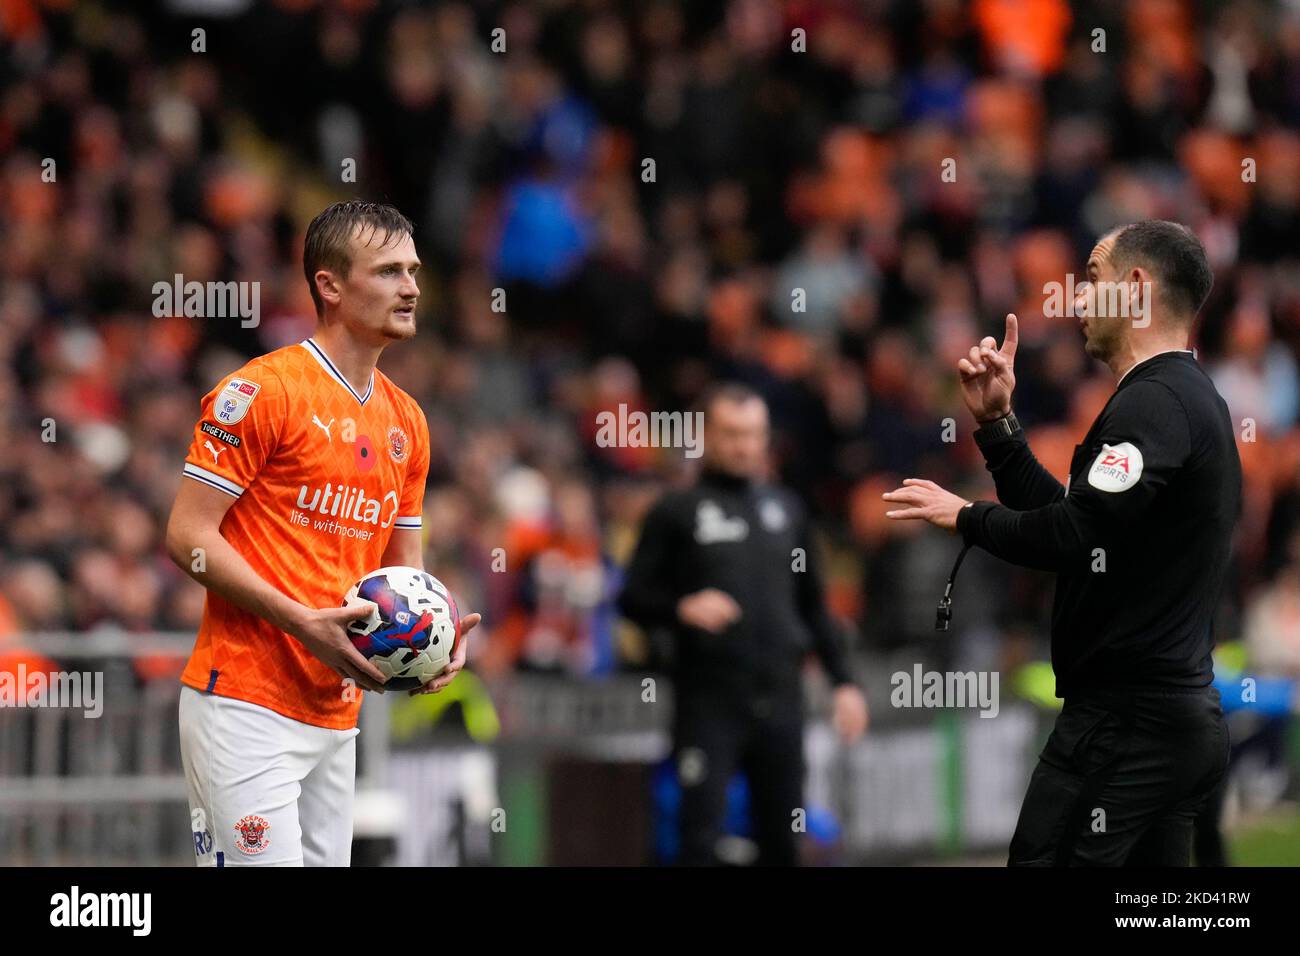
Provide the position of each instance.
(306, 471)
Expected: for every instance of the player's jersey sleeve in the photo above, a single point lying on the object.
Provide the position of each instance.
(238, 429)
(1143, 442)
(411, 508)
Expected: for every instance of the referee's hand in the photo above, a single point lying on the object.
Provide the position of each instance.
(988, 374)
(925, 500)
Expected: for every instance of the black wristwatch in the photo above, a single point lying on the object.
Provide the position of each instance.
(997, 430)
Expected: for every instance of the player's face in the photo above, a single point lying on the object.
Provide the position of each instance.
(378, 295)
(1103, 333)
(736, 437)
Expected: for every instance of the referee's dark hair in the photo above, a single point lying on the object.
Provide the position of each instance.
(1173, 254)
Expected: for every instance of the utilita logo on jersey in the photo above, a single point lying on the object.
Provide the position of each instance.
(336, 504)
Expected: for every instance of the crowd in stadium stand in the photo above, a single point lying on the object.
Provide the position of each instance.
(915, 170)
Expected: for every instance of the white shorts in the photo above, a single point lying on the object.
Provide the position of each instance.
(264, 789)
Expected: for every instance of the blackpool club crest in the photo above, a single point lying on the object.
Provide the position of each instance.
(397, 444)
(254, 834)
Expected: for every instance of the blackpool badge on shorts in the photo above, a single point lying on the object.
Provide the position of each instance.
(254, 834)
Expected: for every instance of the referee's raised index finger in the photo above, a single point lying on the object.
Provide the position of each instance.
(1012, 337)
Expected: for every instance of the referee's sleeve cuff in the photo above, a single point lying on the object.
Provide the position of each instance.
(970, 521)
(1004, 430)
(213, 480)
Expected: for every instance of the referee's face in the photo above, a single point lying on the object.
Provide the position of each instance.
(1096, 304)
(736, 436)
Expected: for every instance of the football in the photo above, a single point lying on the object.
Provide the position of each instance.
(412, 633)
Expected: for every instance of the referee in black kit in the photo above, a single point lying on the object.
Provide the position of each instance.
(1139, 538)
(718, 567)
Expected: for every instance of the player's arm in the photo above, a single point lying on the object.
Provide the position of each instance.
(195, 543)
(1146, 438)
(405, 549)
(987, 377)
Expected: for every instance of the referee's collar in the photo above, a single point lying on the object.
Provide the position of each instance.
(1136, 365)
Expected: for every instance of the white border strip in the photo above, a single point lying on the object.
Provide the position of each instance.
(213, 479)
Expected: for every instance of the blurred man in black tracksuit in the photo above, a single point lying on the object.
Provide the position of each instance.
(1140, 539)
(728, 568)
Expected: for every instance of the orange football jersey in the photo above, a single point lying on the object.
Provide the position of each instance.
(322, 477)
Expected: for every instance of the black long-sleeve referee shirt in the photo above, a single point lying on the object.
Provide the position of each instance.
(752, 541)
(1140, 537)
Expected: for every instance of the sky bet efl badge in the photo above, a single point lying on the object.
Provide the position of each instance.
(1117, 468)
(232, 402)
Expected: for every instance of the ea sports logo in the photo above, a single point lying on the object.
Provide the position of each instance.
(1116, 467)
(1114, 459)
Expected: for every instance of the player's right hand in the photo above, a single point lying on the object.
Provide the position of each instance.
(323, 631)
(710, 610)
(988, 374)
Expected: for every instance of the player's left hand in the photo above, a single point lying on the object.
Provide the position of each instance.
(927, 501)
(462, 652)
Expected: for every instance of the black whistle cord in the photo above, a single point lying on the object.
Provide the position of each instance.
(943, 615)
